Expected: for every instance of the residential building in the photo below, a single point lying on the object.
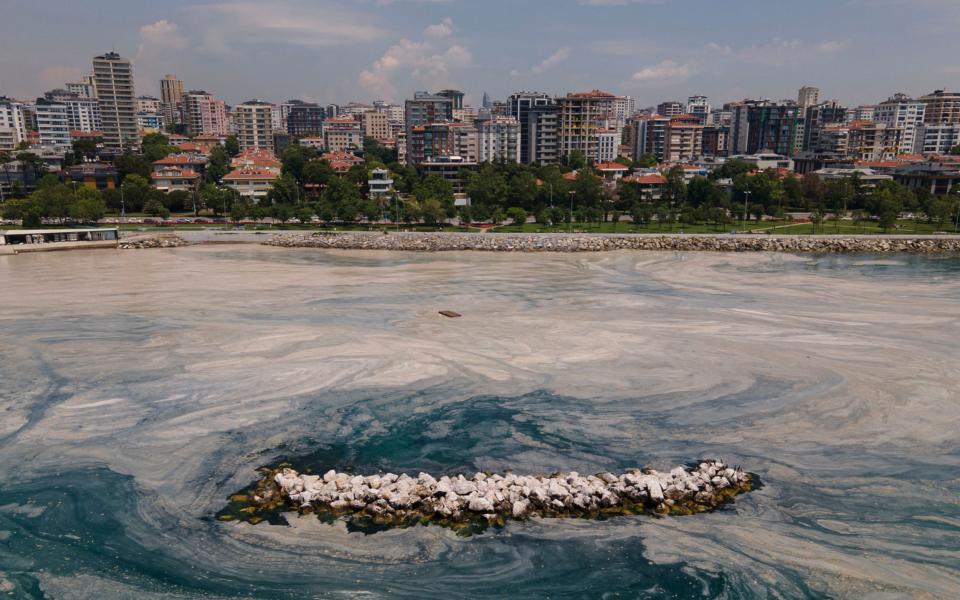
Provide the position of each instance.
(580, 114)
(148, 104)
(623, 109)
(699, 107)
(651, 136)
(53, 123)
(498, 138)
(251, 183)
(304, 118)
(937, 139)
(449, 168)
(521, 103)
(150, 122)
(312, 141)
(541, 134)
(113, 81)
(762, 125)
(379, 184)
(13, 128)
(766, 160)
(861, 140)
(715, 140)
(171, 179)
(683, 139)
(82, 89)
(171, 95)
(608, 145)
(861, 113)
(808, 96)
(936, 176)
(455, 96)
(427, 108)
(254, 125)
(257, 158)
(650, 185)
(95, 175)
(818, 116)
(341, 162)
(941, 107)
(203, 114)
(670, 108)
(435, 141)
(376, 125)
(342, 133)
(902, 112)
(185, 161)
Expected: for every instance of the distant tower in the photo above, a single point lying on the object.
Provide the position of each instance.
(808, 96)
(486, 101)
(171, 98)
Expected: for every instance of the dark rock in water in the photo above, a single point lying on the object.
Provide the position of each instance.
(450, 313)
(372, 503)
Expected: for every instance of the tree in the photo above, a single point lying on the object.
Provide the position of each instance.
(156, 146)
(132, 164)
(517, 215)
(576, 160)
(646, 161)
(88, 205)
(135, 189)
(340, 199)
(543, 217)
(813, 189)
(156, 208)
(940, 211)
(281, 212)
(587, 188)
(523, 190)
(373, 150)
(232, 145)
(85, 148)
(293, 161)
(641, 213)
(218, 165)
(284, 190)
(317, 172)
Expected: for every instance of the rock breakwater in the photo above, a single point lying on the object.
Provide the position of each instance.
(561, 242)
(152, 241)
(460, 502)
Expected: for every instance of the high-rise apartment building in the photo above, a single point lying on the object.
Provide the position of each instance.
(303, 118)
(342, 134)
(580, 115)
(113, 82)
(541, 135)
(13, 128)
(905, 113)
(456, 98)
(818, 116)
(670, 108)
(941, 107)
(203, 114)
(376, 125)
(53, 124)
(253, 121)
(936, 139)
(699, 106)
(762, 125)
(808, 96)
(83, 112)
(683, 139)
(442, 141)
(498, 138)
(521, 103)
(171, 98)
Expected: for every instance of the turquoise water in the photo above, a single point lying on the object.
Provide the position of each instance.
(142, 388)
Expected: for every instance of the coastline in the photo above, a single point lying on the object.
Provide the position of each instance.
(562, 242)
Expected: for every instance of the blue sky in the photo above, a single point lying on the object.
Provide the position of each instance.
(857, 51)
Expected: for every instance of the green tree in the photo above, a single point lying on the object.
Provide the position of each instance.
(156, 208)
(646, 161)
(940, 210)
(317, 172)
(135, 189)
(132, 164)
(517, 215)
(88, 205)
(232, 145)
(293, 161)
(218, 165)
(284, 190)
(576, 160)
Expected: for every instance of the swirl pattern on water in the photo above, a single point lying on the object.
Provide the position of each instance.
(140, 389)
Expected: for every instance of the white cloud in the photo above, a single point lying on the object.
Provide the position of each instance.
(162, 33)
(831, 46)
(551, 61)
(422, 61)
(438, 30)
(664, 73)
(292, 22)
(624, 47)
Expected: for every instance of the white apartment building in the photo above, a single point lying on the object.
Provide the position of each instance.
(13, 128)
(608, 144)
(937, 138)
(906, 114)
(253, 121)
(53, 124)
(498, 139)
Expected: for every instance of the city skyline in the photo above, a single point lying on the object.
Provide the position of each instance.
(387, 49)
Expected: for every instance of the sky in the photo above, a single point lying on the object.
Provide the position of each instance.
(856, 51)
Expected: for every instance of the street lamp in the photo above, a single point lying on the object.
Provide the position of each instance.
(746, 198)
(123, 210)
(572, 194)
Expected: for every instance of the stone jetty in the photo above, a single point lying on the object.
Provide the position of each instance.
(458, 501)
(162, 240)
(562, 242)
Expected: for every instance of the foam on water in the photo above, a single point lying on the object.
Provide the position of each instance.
(140, 389)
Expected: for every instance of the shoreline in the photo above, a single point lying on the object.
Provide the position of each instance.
(563, 242)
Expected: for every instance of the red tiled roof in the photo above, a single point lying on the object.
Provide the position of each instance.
(174, 172)
(611, 166)
(181, 159)
(647, 179)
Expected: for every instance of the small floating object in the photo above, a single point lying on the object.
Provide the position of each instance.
(450, 313)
